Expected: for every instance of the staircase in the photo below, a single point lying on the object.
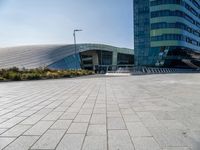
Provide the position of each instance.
(189, 63)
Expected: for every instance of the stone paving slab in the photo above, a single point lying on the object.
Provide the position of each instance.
(95, 143)
(22, 143)
(71, 142)
(49, 140)
(145, 143)
(152, 112)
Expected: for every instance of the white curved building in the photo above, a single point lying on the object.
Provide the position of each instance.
(88, 56)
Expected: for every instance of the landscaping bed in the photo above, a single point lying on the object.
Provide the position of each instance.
(16, 74)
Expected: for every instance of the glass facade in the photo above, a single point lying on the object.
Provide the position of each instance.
(105, 58)
(174, 29)
(70, 62)
(141, 32)
(124, 59)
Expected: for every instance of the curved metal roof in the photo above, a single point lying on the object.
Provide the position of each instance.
(44, 55)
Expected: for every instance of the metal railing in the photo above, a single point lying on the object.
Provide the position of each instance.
(156, 70)
(102, 69)
(113, 68)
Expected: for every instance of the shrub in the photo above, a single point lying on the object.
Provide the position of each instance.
(2, 79)
(14, 76)
(39, 73)
(31, 76)
(52, 75)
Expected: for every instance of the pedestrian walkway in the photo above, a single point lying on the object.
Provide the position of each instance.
(153, 112)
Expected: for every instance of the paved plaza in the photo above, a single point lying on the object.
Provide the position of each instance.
(152, 112)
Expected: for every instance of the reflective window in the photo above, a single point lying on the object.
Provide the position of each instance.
(179, 2)
(164, 13)
(177, 37)
(178, 25)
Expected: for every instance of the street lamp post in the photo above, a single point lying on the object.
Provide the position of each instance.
(74, 34)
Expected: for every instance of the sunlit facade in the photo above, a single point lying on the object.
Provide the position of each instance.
(167, 33)
(86, 56)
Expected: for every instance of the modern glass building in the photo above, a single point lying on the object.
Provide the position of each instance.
(86, 56)
(167, 33)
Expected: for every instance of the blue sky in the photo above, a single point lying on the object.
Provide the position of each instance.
(25, 22)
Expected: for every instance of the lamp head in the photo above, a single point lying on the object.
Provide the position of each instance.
(77, 30)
